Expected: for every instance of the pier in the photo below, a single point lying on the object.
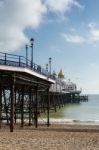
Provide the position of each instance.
(26, 91)
(20, 88)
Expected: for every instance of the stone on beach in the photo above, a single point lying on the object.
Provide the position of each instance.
(55, 137)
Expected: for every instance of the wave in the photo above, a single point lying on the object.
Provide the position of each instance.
(70, 121)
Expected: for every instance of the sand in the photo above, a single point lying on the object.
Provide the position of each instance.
(55, 137)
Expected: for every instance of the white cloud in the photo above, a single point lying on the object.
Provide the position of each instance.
(73, 38)
(91, 35)
(93, 32)
(61, 6)
(15, 16)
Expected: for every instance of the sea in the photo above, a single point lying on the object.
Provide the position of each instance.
(79, 112)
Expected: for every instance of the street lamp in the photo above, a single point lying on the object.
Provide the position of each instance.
(47, 67)
(31, 42)
(26, 46)
(50, 59)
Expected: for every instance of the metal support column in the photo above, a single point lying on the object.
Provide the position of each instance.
(36, 108)
(6, 106)
(12, 107)
(48, 107)
(0, 106)
(22, 108)
(30, 107)
(15, 108)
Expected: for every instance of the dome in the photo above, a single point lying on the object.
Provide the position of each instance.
(61, 74)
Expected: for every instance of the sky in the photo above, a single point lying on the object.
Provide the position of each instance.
(65, 30)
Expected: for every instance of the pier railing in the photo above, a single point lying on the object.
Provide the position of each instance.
(21, 61)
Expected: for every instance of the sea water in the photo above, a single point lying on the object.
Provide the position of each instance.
(83, 111)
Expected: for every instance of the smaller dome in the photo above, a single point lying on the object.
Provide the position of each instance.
(61, 74)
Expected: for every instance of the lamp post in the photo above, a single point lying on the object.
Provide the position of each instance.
(47, 67)
(50, 60)
(31, 42)
(26, 46)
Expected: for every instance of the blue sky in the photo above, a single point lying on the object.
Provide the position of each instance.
(66, 30)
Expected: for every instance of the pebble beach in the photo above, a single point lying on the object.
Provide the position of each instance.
(55, 137)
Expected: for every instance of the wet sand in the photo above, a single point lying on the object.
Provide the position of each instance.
(55, 137)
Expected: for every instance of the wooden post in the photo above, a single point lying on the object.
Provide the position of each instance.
(12, 107)
(22, 108)
(48, 107)
(0, 106)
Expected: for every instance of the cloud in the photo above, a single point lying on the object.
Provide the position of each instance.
(15, 16)
(73, 38)
(59, 9)
(61, 6)
(93, 32)
(91, 35)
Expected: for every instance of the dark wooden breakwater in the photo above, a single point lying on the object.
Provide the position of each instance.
(25, 92)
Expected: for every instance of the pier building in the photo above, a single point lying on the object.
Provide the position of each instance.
(64, 91)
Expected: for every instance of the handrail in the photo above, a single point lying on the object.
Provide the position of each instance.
(11, 54)
(21, 61)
